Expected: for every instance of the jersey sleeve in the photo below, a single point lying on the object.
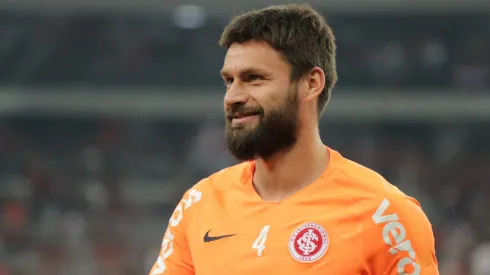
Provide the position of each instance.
(400, 240)
(175, 257)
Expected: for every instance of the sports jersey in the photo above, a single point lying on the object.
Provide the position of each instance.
(349, 221)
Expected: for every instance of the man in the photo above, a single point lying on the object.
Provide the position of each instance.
(294, 206)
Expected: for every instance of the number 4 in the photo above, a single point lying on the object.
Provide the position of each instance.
(259, 243)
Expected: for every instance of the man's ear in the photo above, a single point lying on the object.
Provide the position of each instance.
(315, 80)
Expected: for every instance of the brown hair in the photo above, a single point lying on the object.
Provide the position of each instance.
(299, 32)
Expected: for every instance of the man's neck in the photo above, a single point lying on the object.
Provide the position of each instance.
(288, 172)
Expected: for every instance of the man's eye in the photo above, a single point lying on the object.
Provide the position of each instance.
(228, 82)
(253, 77)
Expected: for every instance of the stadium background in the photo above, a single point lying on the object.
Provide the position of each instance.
(110, 109)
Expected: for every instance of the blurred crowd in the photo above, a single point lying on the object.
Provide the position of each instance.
(93, 196)
(148, 50)
(86, 197)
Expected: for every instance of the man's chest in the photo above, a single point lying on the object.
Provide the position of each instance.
(274, 240)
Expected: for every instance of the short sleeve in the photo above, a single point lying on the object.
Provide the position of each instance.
(175, 257)
(400, 239)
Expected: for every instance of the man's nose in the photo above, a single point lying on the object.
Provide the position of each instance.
(235, 95)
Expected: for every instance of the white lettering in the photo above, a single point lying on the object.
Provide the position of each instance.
(378, 215)
(193, 196)
(397, 231)
(405, 262)
(167, 243)
(394, 235)
(159, 267)
(405, 246)
(176, 216)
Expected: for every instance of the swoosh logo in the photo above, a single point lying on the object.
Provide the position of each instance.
(208, 238)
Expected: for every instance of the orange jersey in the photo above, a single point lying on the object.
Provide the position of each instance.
(349, 221)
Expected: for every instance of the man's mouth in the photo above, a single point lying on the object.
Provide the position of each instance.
(237, 116)
(241, 118)
(242, 115)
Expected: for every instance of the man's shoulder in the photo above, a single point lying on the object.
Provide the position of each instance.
(360, 178)
(368, 187)
(226, 178)
(207, 191)
(382, 207)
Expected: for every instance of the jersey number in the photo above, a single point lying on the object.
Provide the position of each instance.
(259, 243)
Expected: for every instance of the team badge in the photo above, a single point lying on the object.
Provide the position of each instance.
(308, 243)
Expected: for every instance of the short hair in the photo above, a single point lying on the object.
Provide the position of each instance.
(298, 32)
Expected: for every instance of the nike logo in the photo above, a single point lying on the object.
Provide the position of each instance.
(208, 238)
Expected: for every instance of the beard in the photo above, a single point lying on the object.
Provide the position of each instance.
(276, 130)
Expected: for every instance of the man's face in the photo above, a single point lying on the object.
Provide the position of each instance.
(261, 104)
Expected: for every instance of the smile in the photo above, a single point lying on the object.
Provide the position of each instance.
(244, 119)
